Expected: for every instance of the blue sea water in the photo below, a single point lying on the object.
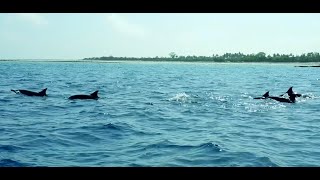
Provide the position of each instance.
(158, 114)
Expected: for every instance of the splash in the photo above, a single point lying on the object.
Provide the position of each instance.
(180, 97)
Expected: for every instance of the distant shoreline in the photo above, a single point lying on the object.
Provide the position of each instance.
(307, 64)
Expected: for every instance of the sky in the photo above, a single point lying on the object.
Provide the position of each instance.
(82, 35)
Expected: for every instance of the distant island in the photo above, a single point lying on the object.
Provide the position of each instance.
(227, 57)
(261, 57)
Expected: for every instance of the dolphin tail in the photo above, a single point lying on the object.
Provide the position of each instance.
(15, 91)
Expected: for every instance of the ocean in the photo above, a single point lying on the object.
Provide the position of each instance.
(158, 114)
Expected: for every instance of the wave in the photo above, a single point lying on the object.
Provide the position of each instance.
(116, 129)
(180, 97)
(170, 145)
(112, 127)
(184, 98)
(5, 100)
(11, 163)
(205, 154)
(10, 148)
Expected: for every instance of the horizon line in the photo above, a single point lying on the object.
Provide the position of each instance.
(168, 56)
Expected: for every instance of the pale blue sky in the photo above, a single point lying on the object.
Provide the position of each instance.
(76, 36)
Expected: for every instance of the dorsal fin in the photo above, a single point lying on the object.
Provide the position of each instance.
(43, 92)
(290, 91)
(266, 94)
(94, 94)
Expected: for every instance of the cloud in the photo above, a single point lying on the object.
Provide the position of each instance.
(120, 24)
(34, 18)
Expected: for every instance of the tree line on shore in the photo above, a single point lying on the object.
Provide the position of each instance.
(227, 57)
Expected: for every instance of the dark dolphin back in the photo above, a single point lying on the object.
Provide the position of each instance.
(43, 92)
(263, 96)
(290, 91)
(30, 93)
(292, 98)
(280, 99)
(94, 94)
(266, 94)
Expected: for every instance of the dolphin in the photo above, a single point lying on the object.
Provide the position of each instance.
(30, 93)
(93, 95)
(292, 98)
(263, 96)
(291, 93)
